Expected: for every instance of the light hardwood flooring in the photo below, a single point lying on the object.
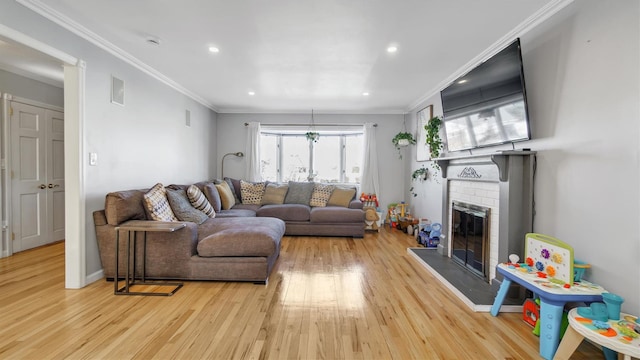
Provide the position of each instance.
(327, 298)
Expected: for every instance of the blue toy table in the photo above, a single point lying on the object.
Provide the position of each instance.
(553, 297)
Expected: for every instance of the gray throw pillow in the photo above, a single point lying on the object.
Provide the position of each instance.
(234, 185)
(299, 193)
(183, 209)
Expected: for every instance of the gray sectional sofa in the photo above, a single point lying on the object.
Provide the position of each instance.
(239, 244)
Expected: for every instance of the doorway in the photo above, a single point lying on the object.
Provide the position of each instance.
(74, 197)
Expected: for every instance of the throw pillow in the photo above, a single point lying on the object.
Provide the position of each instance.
(321, 194)
(226, 197)
(251, 193)
(155, 200)
(274, 194)
(341, 196)
(199, 201)
(183, 209)
(299, 193)
(234, 185)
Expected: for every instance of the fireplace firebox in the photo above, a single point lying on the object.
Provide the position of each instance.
(470, 237)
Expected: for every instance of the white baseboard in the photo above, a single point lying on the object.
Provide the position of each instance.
(98, 275)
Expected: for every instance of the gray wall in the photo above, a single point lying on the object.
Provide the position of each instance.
(138, 145)
(583, 79)
(21, 86)
(392, 169)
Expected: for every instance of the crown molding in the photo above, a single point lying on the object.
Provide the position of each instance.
(58, 18)
(531, 22)
(306, 111)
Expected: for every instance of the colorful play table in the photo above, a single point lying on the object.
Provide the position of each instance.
(620, 337)
(553, 298)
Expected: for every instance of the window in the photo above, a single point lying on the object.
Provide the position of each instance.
(287, 155)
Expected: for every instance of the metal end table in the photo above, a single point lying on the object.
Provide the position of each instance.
(132, 227)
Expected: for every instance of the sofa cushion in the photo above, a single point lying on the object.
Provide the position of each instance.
(226, 196)
(234, 185)
(321, 194)
(274, 194)
(239, 237)
(335, 214)
(122, 206)
(211, 192)
(157, 205)
(182, 207)
(199, 201)
(251, 192)
(235, 212)
(286, 212)
(341, 196)
(299, 193)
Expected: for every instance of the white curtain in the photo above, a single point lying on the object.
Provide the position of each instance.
(370, 182)
(252, 152)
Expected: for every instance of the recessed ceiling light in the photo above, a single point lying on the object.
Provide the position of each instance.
(365, 94)
(251, 93)
(392, 49)
(462, 81)
(214, 49)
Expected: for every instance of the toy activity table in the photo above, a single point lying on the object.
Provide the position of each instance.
(613, 338)
(553, 298)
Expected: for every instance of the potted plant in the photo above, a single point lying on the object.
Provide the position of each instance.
(420, 174)
(403, 139)
(433, 136)
(312, 136)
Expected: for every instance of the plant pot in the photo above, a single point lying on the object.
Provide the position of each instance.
(403, 142)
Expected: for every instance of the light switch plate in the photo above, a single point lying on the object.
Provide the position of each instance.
(93, 159)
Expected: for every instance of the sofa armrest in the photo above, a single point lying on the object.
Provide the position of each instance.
(355, 204)
(168, 253)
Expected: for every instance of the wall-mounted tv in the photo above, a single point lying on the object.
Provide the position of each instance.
(488, 105)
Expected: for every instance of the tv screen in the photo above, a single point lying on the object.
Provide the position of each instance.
(488, 105)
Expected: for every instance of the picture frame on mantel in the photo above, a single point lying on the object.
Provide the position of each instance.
(422, 149)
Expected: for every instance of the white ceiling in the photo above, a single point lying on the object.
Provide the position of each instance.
(300, 54)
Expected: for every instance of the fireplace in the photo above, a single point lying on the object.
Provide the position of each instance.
(470, 237)
(496, 192)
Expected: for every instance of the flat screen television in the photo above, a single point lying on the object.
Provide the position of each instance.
(488, 105)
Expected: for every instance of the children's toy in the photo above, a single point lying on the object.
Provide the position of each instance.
(530, 312)
(550, 256)
(371, 219)
(429, 236)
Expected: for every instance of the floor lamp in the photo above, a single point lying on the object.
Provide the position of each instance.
(238, 154)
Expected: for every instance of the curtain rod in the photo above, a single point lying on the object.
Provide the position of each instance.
(315, 125)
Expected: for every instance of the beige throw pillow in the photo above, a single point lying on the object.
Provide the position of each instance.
(251, 193)
(274, 194)
(321, 194)
(155, 200)
(226, 196)
(341, 196)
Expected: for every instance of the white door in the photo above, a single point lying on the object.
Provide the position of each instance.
(37, 176)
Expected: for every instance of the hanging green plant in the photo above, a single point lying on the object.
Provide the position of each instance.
(433, 136)
(312, 136)
(403, 139)
(420, 174)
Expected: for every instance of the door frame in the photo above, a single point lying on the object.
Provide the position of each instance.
(74, 172)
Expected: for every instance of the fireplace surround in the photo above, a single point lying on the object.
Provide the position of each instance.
(502, 185)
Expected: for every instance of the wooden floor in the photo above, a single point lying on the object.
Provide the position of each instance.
(327, 298)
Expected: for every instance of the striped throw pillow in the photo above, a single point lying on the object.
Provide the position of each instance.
(155, 200)
(199, 201)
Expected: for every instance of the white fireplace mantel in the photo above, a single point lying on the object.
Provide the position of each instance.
(500, 159)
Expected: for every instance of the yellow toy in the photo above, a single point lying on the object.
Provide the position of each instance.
(371, 219)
